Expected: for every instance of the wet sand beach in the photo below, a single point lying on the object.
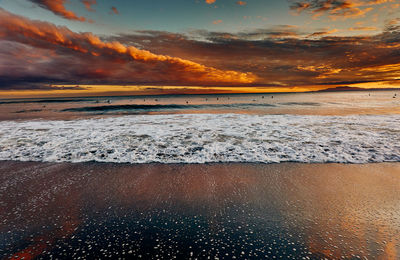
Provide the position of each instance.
(225, 211)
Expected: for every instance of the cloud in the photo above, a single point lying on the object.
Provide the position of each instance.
(210, 1)
(337, 8)
(274, 32)
(22, 85)
(37, 54)
(242, 3)
(114, 10)
(322, 33)
(284, 55)
(58, 8)
(34, 49)
(217, 21)
(363, 28)
(393, 24)
(88, 4)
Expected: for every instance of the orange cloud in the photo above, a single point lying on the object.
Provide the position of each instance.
(323, 33)
(337, 8)
(210, 1)
(88, 4)
(114, 10)
(217, 21)
(241, 3)
(285, 55)
(140, 65)
(363, 28)
(58, 8)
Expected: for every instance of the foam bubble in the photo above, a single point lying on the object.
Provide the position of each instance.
(200, 138)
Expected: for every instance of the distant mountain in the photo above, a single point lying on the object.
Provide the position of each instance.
(347, 88)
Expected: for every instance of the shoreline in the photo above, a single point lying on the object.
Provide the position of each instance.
(232, 163)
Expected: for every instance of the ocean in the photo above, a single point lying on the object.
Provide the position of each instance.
(341, 127)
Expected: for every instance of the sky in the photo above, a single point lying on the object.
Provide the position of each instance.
(101, 47)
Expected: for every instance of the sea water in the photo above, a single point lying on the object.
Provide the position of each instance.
(352, 127)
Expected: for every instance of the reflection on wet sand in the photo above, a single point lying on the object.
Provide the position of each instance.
(196, 211)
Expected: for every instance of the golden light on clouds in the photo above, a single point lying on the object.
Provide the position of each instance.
(41, 57)
(46, 35)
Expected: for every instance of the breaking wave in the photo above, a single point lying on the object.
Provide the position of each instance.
(200, 138)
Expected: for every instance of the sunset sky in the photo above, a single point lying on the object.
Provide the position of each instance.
(91, 47)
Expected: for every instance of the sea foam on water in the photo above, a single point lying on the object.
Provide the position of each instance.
(200, 138)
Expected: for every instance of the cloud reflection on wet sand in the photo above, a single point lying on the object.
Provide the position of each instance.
(219, 210)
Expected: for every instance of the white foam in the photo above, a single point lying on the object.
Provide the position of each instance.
(199, 138)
